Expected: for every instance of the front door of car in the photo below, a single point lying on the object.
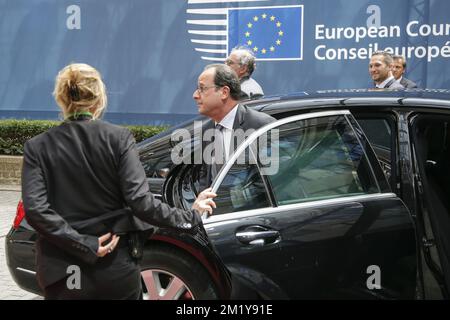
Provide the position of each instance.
(304, 211)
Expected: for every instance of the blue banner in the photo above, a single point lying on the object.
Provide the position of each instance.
(150, 53)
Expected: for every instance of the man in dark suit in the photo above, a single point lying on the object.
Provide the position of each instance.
(380, 71)
(399, 69)
(217, 96)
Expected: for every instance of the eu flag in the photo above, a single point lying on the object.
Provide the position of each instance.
(272, 33)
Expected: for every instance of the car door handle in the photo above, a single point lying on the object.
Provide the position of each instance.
(258, 235)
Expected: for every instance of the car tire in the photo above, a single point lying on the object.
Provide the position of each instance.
(171, 274)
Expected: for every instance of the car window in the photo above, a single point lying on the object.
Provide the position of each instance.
(378, 131)
(153, 162)
(155, 165)
(319, 159)
(241, 189)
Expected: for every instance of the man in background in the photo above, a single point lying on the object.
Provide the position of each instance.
(242, 61)
(380, 71)
(399, 69)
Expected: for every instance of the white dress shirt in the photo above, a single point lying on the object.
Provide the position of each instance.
(227, 131)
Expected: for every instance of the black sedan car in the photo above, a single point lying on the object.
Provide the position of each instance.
(357, 206)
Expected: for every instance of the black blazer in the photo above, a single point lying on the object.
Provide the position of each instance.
(79, 170)
(245, 119)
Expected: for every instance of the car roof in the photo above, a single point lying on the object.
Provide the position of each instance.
(353, 97)
(274, 104)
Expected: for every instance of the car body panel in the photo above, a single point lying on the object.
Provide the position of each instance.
(314, 237)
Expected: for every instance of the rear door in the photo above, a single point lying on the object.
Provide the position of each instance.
(309, 214)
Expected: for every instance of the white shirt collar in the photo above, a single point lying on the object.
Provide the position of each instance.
(228, 121)
(383, 84)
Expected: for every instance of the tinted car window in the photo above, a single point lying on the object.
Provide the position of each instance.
(241, 189)
(378, 131)
(153, 162)
(319, 159)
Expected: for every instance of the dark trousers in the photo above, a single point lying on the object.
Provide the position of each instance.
(114, 277)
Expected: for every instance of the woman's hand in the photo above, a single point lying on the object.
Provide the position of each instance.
(103, 250)
(204, 202)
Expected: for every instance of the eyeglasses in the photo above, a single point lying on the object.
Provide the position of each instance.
(203, 89)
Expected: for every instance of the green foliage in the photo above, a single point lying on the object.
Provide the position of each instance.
(144, 132)
(14, 133)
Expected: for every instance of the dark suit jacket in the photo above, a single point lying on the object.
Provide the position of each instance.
(245, 119)
(408, 84)
(79, 170)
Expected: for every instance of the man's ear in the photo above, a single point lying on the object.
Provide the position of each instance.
(225, 92)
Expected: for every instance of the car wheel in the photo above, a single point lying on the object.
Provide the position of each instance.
(170, 274)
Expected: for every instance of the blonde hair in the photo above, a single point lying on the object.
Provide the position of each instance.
(79, 88)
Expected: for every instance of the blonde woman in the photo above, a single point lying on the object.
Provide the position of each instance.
(81, 170)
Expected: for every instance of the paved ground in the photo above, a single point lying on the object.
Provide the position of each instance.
(9, 196)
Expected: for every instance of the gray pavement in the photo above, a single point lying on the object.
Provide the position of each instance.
(9, 197)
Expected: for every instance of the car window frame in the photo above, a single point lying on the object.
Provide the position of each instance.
(382, 192)
(392, 119)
